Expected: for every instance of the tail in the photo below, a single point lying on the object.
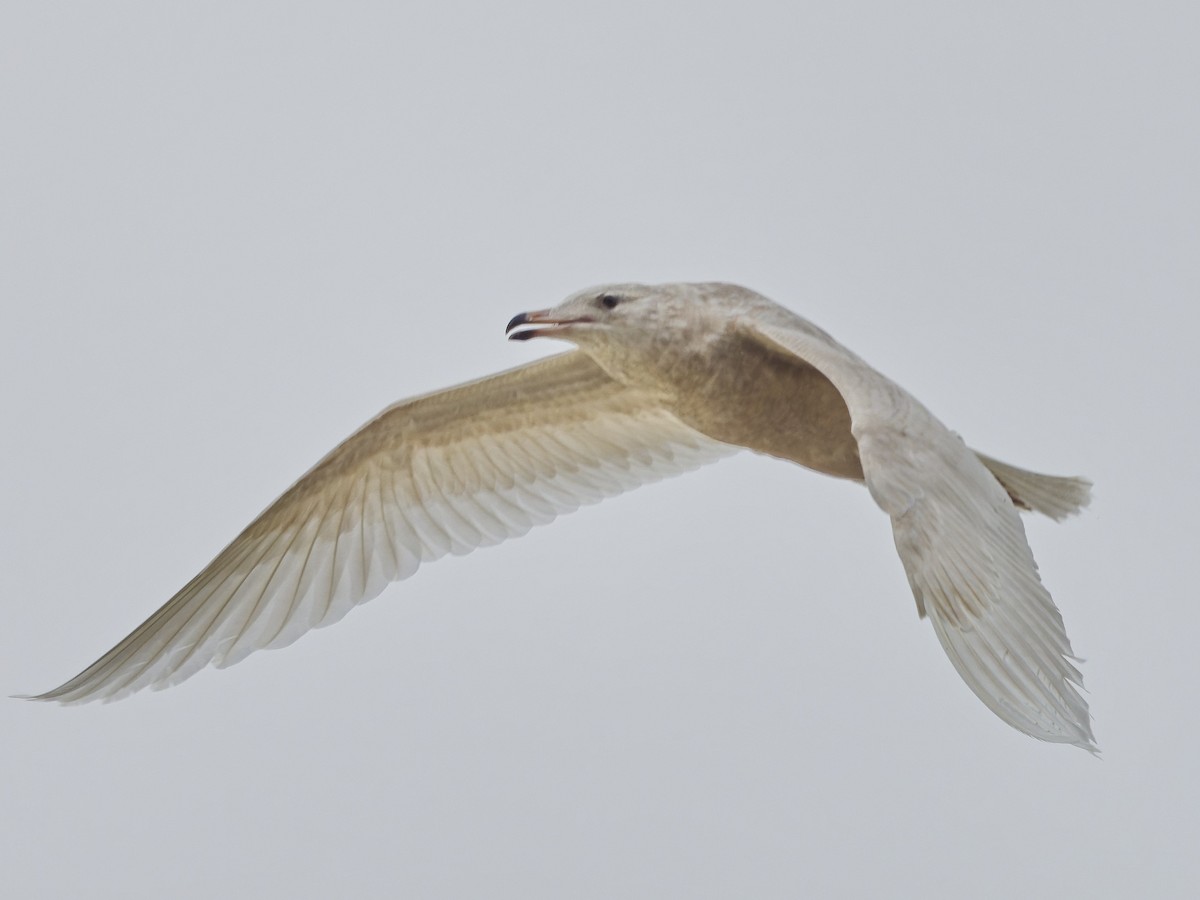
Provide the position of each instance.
(1051, 495)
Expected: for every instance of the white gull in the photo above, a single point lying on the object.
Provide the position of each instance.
(665, 378)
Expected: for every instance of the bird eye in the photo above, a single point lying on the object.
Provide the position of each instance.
(608, 301)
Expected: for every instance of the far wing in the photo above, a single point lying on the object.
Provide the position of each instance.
(962, 544)
(444, 473)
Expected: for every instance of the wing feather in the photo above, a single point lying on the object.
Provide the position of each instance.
(441, 474)
(962, 543)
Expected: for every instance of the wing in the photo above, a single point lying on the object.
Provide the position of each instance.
(962, 544)
(444, 473)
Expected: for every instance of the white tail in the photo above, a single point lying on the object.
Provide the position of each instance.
(1051, 495)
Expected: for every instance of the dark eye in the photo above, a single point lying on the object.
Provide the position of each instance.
(608, 301)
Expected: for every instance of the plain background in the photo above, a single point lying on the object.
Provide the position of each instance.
(233, 232)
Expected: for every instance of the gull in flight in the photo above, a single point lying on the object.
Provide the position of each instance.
(663, 379)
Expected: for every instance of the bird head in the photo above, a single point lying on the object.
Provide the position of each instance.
(634, 330)
(592, 316)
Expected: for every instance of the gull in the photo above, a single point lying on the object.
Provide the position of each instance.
(663, 379)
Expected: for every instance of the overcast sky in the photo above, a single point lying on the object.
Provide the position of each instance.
(231, 233)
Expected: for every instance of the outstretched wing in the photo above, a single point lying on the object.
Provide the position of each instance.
(962, 544)
(444, 473)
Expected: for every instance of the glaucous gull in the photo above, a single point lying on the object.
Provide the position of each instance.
(665, 378)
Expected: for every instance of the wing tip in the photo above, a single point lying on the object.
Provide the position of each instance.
(51, 696)
(1085, 740)
(79, 691)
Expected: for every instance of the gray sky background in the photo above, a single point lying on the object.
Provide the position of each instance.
(230, 233)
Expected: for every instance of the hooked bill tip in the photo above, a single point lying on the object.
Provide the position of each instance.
(518, 319)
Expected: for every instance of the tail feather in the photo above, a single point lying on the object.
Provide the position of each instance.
(1055, 496)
